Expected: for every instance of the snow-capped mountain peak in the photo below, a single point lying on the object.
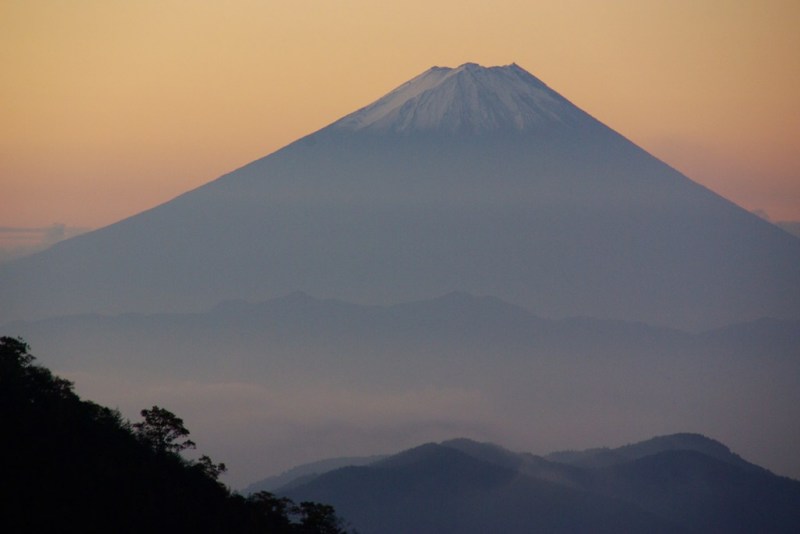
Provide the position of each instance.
(465, 99)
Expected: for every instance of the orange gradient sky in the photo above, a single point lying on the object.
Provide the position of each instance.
(109, 107)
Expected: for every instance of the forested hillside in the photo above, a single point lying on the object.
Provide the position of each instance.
(72, 465)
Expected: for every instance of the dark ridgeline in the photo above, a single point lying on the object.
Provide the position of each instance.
(677, 483)
(70, 465)
(474, 179)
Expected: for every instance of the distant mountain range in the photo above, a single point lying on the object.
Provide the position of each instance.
(475, 327)
(459, 318)
(473, 179)
(675, 483)
(458, 362)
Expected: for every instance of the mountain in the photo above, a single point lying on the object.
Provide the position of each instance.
(675, 483)
(302, 473)
(471, 179)
(605, 457)
(439, 489)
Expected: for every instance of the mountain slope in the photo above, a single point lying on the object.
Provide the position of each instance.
(471, 179)
(704, 493)
(657, 445)
(465, 486)
(302, 473)
(434, 488)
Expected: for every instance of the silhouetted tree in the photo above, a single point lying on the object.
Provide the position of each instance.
(162, 430)
(274, 512)
(209, 468)
(13, 354)
(17, 370)
(281, 514)
(320, 518)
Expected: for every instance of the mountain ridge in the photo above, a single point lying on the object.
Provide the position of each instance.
(606, 457)
(676, 487)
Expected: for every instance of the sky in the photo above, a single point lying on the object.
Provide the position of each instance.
(110, 107)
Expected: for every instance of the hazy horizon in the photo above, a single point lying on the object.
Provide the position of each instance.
(265, 387)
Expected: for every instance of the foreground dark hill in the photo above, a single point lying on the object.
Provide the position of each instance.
(366, 379)
(679, 483)
(71, 465)
(475, 179)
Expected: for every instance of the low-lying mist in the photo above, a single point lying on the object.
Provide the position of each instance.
(269, 386)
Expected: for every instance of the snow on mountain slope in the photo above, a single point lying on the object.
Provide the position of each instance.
(467, 99)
